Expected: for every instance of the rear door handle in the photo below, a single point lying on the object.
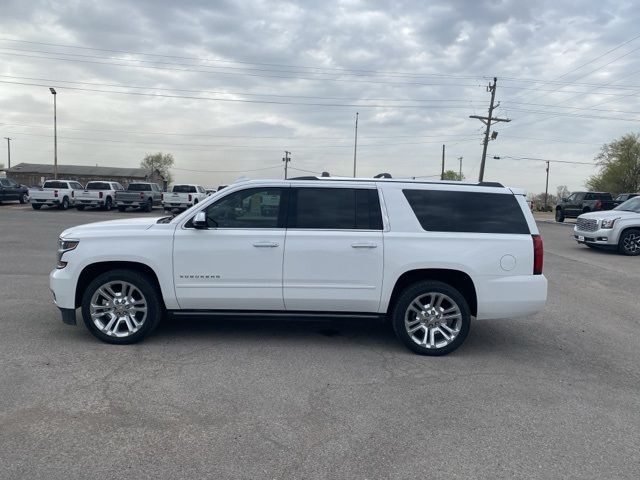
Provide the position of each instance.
(266, 244)
(364, 245)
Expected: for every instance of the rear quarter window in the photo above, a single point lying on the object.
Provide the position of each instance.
(455, 211)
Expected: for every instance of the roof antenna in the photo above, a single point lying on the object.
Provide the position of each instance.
(383, 175)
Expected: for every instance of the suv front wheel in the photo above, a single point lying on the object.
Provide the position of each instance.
(121, 306)
(431, 318)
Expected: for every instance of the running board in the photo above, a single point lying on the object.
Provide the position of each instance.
(274, 314)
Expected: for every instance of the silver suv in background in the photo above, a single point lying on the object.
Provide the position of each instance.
(614, 229)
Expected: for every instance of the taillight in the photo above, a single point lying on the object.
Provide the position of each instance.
(141, 195)
(598, 204)
(73, 193)
(100, 194)
(538, 254)
(55, 193)
(189, 197)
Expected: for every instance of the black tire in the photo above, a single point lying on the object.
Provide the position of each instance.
(149, 206)
(559, 215)
(36, 206)
(80, 207)
(144, 285)
(65, 204)
(400, 311)
(24, 198)
(586, 210)
(108, 204)
(629, 243)
(122, 209)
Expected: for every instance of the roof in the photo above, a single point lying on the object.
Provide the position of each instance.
(400, 180)
(80, 170)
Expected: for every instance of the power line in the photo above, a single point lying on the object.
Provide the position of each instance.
(248, 94)
(505, 157)
(213, 135)
(269, 102)
(225, 171)
(239, 61)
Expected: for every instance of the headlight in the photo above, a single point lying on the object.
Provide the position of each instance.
(65, 246)
(608, 223)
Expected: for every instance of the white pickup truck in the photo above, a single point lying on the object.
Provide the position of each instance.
(99, 194)
(183, 196)
(55, 193)
(426, 255)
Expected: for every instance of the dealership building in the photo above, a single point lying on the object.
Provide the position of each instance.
(34, 174)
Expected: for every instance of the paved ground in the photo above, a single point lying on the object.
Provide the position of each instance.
(556, 395)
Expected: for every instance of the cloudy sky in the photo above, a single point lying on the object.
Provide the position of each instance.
(227, 86)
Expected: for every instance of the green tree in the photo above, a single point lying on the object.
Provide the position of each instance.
(159, 161)
(452, 175)
(619, 163)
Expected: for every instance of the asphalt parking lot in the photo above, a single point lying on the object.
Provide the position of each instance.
(555, 395)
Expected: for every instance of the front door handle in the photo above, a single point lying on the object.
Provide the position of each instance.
(364, 245)
(266, 244)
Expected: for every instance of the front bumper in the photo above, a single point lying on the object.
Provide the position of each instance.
(602, 236)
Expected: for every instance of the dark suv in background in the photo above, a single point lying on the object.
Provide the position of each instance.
(583, 202)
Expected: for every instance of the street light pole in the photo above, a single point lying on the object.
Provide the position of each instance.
(355, 147)
(55, 135)
(8, 151)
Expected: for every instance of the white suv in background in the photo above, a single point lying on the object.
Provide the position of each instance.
(427, 255)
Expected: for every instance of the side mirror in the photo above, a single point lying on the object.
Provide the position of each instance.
(200, 220)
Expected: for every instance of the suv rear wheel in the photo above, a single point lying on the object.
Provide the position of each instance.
(629, 243)
(559, 215)
(431, 318)
(121, 306)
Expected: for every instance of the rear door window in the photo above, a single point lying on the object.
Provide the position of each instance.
(478, 212)
(335, 209)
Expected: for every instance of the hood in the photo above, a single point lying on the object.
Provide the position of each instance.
(142, 223)
(606, 214)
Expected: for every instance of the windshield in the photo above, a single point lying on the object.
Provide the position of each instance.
(184, 189)
(631, 205)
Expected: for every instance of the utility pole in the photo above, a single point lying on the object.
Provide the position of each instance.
(286, 161)
(487, 121)
(442, 174)
(355, 147)
(546, 189)
(8, 151)
(55, 135)
(460, 173)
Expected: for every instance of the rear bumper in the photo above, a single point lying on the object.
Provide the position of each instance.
(90, 203)
(510, 296)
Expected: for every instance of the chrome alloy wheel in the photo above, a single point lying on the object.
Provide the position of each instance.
(433, 320)
(631, 243)
(118, 309)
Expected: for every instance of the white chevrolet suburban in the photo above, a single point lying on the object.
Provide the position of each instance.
(427, 255)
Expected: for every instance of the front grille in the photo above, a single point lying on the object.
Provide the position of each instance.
(587, 224)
